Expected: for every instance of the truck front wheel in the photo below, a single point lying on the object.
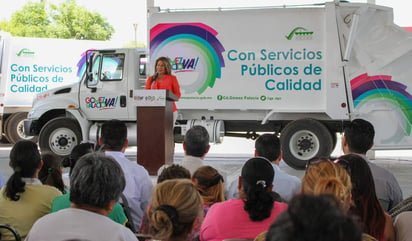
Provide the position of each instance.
(60, 136)
(305, 139)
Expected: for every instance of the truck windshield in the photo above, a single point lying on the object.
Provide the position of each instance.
(112, 67)
(107, 67)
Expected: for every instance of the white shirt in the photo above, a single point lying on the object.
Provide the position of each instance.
(79, 224)
(138, 188)
(192, 163)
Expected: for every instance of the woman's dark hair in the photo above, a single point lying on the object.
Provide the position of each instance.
(313, 218)
(257, 176)
(24, 159)
(51, 173)
(77, 152)
(366, 204)
(173, 171)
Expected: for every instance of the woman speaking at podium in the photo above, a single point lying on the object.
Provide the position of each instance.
(163, 79)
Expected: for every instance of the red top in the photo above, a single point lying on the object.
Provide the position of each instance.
(168, 82)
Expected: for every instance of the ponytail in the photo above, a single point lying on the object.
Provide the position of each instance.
(50, 173)
(24, 159)
(14, 186)
(259, 202)
(257, 176)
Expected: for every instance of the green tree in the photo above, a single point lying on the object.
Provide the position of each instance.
(66, 20)
(31, 20)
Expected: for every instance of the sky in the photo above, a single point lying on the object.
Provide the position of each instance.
(123, 14)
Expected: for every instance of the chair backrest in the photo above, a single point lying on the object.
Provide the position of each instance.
(11, 230)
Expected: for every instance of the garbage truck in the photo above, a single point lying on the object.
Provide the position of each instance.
(301, 72)
(29, 66)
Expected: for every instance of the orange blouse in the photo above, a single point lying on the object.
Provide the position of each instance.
(168, 82)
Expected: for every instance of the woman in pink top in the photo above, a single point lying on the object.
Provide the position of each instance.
(163, 79)
(252, 213)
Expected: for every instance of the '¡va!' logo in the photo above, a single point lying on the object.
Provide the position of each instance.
(25, 51)
(300, 33)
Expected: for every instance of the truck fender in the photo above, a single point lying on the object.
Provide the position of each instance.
(83, 122)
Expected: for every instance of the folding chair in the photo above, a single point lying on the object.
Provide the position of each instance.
(7, 228)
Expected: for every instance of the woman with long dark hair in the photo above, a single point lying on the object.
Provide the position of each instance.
(51, 171)
(252, 213)
(24, 199)
(366, 206)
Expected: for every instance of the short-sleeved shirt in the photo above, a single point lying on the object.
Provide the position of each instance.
(387, 187)
(402, 226)
(229, 220)
(63, 202)
(78, 224)
(34, 203)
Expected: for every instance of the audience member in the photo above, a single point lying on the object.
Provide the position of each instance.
(63, 202)
(77, 152)
(322, 176)
(403, 226)
(95, 186)
(51, 171)
(249, 215)
(313, 218)
(358, 139)
(209, 183)
(175, 210)
(195, 145)
(24, 199)
(373, 219)
(168, 172)
(138, 183)
(268, 146)
(405, 205)
(171, 172)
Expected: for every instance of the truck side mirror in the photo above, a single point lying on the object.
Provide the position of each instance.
(89, 71)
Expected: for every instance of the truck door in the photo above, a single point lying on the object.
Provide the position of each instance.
(104, 93)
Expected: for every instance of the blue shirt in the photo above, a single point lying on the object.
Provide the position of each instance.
(284, 184)
(2, 181)
(138, 188)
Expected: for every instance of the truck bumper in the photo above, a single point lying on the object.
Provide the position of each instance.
(30, 127)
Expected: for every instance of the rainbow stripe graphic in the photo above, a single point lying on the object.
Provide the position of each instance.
(81, 65)
(203, 44)
(381, 88)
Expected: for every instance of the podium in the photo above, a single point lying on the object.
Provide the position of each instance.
(155, 140)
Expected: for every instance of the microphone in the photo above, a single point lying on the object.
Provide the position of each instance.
(155, 76)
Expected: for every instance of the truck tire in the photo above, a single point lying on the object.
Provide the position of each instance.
(60, 136)
(305, 139)
(13, 128)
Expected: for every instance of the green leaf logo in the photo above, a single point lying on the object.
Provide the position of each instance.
(25, 51)
(299, 32)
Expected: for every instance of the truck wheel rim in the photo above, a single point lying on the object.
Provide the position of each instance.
(304, 145)
(20, 131)
(62, 141)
